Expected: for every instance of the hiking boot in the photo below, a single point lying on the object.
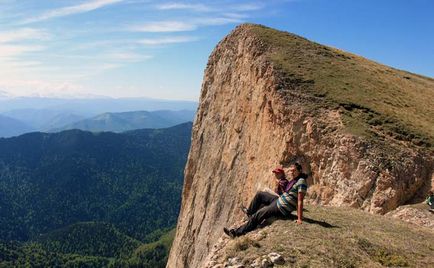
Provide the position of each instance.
(229, 232)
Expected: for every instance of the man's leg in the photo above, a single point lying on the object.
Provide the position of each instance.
(262, 214)
(261, 199)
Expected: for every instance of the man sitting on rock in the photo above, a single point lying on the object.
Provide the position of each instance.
(265, 205)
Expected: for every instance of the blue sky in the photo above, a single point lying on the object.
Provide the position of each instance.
(159, 49)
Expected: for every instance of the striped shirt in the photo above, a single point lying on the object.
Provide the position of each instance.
(287, 202)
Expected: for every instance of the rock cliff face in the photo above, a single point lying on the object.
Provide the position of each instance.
(258, 110)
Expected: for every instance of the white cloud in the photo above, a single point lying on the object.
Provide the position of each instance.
(12, 49)
(235, 15)
(23, 34)
(4, 94)
(128, 57)
(9, 51)
(208, 8)
(247, 7)
(217, 21)
(40, 88)
(109, 66)
(183, 6)
(164, 26)
(183, 26)
(22, 64)
(71, 10)
(167, 40)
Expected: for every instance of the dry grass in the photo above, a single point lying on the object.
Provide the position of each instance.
(375, 99)
(340, 237)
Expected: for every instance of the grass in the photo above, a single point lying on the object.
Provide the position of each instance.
(375, 99)
(339, 237)
(243, 244)
(382, 254)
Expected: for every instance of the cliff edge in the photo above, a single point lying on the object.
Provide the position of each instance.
(362, 131)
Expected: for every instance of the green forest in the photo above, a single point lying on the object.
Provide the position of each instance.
(123, 251)
(82, 199)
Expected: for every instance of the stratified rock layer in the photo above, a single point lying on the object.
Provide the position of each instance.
(250, 120)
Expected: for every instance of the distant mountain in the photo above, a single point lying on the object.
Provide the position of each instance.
(94, 106)
(11, 127)
(44, 119)
(176, 116)
(60, 120)
(119, 122)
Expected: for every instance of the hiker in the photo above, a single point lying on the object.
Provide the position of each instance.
(430, 199)
(265, 205)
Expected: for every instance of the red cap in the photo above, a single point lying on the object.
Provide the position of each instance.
(278, 170)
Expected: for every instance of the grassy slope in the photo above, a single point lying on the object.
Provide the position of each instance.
(376, 99)
(339, 237)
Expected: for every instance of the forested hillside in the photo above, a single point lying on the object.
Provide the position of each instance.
(100, 195)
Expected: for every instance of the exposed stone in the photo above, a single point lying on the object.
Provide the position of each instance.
(418, 216)
(256, 263)
(266, 263)
(276, 258)
(234, 261)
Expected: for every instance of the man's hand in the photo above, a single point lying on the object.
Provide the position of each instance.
(300, 208)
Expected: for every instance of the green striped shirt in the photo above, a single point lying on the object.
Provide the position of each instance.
(287, 202)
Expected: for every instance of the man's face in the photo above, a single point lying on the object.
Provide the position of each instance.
(293, 172)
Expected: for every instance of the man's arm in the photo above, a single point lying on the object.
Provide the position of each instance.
(300, 207)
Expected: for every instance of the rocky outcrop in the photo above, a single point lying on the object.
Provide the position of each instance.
(252, 118)
(418, 214)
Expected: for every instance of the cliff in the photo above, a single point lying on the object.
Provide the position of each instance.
(362, 131)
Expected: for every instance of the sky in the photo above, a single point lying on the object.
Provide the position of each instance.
(159, 49)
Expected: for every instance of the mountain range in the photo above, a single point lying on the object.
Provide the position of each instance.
(93, 106)
(18, 122)
(119, 122)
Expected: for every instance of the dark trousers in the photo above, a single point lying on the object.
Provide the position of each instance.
(263, 206)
